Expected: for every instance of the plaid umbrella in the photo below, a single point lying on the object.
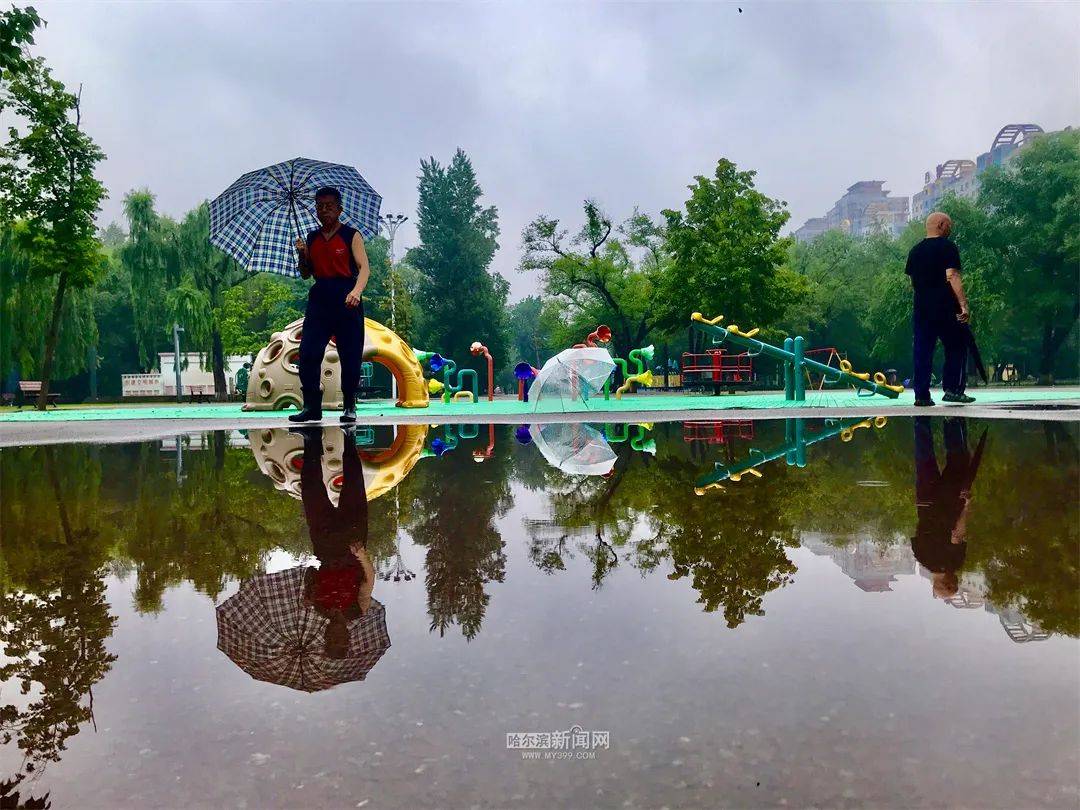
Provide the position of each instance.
(258, 218)
(269, 632)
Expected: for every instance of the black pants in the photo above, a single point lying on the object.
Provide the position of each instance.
(327, 317)
(938, 501)
(334, 529)
(928, 329)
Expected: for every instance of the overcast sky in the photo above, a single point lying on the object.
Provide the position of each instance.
(556, 103)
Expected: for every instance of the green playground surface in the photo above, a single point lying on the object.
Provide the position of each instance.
(506, 407)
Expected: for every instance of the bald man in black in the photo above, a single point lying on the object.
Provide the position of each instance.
(941, 312)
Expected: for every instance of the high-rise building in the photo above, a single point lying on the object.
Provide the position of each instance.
(961, 176)
(811, 229)
(865, 209)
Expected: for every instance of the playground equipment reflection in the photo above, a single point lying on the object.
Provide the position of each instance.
(280, 456)
(793, 450)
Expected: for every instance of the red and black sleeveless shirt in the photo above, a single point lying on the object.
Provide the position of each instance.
(333, 257)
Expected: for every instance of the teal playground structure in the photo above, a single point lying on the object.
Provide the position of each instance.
(452, 387)
(793, 450)
(794, 361)
(640, 442)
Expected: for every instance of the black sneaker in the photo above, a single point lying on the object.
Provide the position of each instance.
(924, 403)
(962, 399)
(306, 415)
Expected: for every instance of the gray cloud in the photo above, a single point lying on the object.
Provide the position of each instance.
(555, 103)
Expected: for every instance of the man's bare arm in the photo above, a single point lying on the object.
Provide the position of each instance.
(360, 257)
(953, 276)
(303, 261)
(363, 596)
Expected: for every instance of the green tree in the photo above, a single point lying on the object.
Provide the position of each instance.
(531, 331)
(600, 282)
(253, 310)
(404, 281)
(727, 255)
(55, 616)
(207, 275)
(453, 505)
(1035, 206)
(25, 304)
(17, 28)
(840, 282)
(117, 351)
(152, 262)
(459, 299)
(47, 182)
(646, 513)
(112, 236)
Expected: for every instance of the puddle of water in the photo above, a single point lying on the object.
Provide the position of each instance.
(1040, 406)
(740, 613)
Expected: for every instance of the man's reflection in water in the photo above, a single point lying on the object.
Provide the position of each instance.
(943, 501)
(340, 588)
(313, 628)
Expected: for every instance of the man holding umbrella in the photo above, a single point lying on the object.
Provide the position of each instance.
(941, 312)
(334, 254)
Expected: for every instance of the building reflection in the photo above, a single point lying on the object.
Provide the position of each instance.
(872, 567)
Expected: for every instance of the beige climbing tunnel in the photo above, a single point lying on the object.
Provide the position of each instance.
(274, 383)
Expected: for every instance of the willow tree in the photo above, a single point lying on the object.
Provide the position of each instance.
(151, 259)
(47, 184)
(206, 274)
(177, 276)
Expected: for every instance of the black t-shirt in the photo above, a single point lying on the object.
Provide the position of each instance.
(926, 264)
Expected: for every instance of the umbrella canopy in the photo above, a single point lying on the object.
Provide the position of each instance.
(973, 351)
(575, 448)
(258, 219)
(269, 631)
(571, 376)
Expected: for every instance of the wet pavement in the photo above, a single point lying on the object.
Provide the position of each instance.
(739, 613)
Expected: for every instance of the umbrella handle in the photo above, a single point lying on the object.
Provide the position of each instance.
(292, 200)
(296, 219)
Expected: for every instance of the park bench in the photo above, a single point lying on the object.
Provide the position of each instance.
(199, 394)
(29, 391)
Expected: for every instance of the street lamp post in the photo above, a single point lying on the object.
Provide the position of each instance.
(176, 330)
(391, 222)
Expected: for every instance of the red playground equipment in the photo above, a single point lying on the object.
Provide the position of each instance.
(602, 334)
(827, 356)
(722, 432)
(477, 349)
(717, 368)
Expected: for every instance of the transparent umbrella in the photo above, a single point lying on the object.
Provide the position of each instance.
(569, 378)
(575, 448)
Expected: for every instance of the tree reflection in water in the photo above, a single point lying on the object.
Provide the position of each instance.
(54, 619)
(451, 505)
(731, 543)
(732, 550)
